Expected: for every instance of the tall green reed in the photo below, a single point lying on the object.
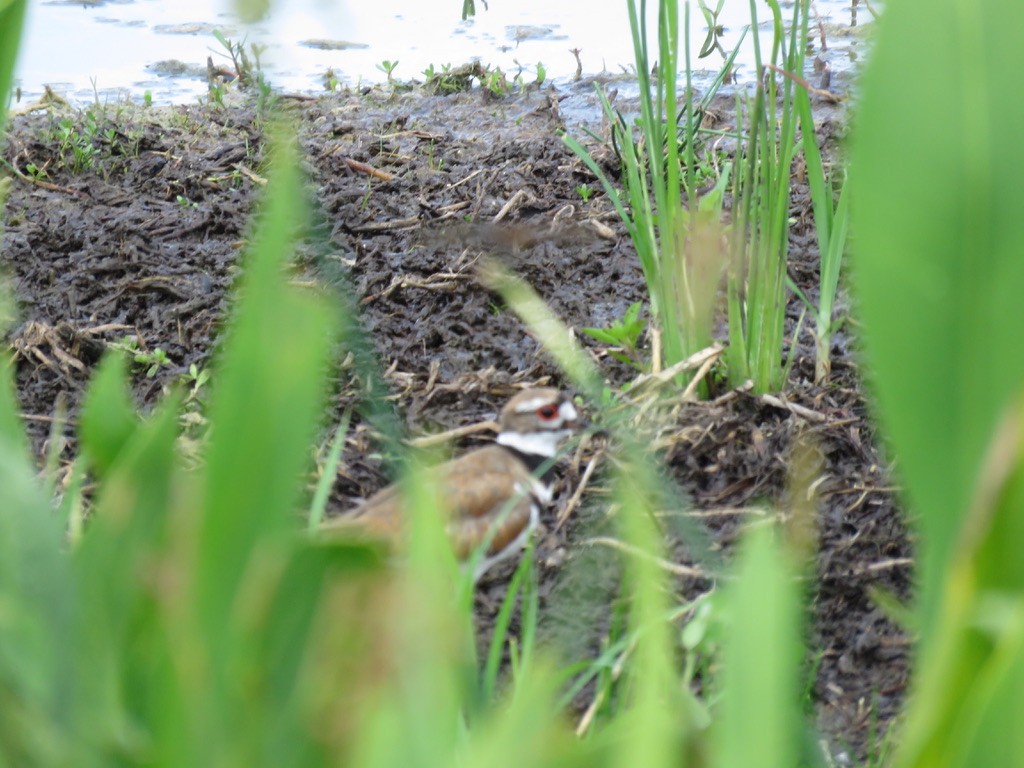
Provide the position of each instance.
(680, 262)
(757, 273)
(831, 221)
(679, 238)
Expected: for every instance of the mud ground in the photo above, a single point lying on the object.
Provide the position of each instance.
(132, 225)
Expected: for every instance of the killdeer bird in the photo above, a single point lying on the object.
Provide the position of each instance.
(492, 491)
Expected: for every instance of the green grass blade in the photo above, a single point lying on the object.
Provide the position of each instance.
(613, 194)
(119, 649)
(821, 194)
(36, 603)
(967, 693)
(529, 611)
(758, 274)
(71, 509)
(268, 395)
(524, 730)
(655, 724)
(938, 266)
(326, 481)
(759, 718)
(12, 19)
(55, 446)
(108, 420)
(831, 224)
(553, 333)
(833, 258)
(939, 279)
(419, 711)
(500, 636)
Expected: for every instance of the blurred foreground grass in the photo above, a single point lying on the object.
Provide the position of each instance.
(193, 622)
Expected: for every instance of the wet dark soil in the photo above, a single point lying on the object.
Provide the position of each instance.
(132, 226)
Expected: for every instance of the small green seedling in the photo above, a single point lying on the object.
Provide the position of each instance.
(76, 146)
(625, 334)
(449, 79)
(196, 378)
(151, 361)
(331, 81)
(496, 82)
(585, 191)
(388, 67)
(216, 93)
(433, 163)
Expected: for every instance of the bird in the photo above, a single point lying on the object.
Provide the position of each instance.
(495, 491)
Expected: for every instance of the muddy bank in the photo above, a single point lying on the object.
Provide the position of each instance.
(126, 228)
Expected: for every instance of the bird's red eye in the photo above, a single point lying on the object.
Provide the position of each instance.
(547, 412)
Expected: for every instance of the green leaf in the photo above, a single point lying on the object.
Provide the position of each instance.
(36, 598)
(12, 18)
(251, 11)
(323, 487)
(624, 332)
(988, 722)
(759, 718)
(622, 358)
(711, 203)
(267, 394)
(604, 335)
(657, 720)
(631, 319)
(821, 194)
(939, 274)
(525, 730)
(967, 694)
(121, 651)
(108, 418)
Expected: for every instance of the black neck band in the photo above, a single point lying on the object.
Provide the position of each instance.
(535, 461)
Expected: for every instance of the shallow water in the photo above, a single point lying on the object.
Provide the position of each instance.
(115, 49)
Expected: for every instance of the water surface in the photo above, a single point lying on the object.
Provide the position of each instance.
(118, 49)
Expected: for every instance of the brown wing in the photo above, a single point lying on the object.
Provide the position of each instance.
(476, 489)
(380, 516)
(486, 499)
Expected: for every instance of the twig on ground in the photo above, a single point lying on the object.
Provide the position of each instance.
(445, 282)
(369, 170)
(673, 568)
(828, 96)
(40, 183)
(701, 360)
(797, 410)
(384, 226)
(250, 174)
(428, 441)
(469, 178)
(512, 203)
(574, 500)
